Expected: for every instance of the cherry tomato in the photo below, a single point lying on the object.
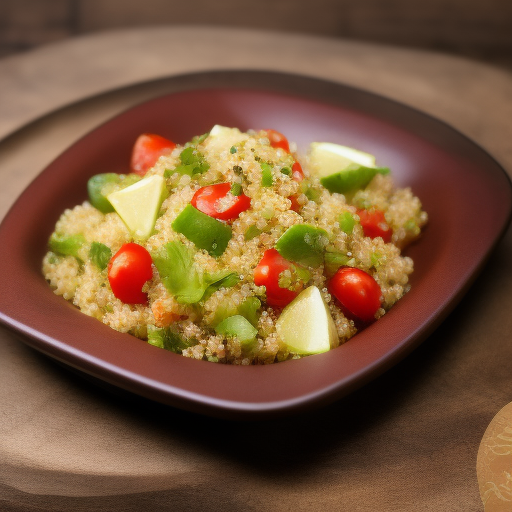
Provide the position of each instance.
(297, 172)
(277, 140)
(267, 273)
(358, 293)
(128, 270)
(218, 202)
(147, 150)
(374, 224)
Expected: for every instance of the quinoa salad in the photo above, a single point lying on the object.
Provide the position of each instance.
(236, 247)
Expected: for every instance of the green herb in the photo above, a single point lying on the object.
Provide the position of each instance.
(287, 171)
(167, 339)
(175, 264)
(192, 162)
(232, 149)
(267, 179)
(100, 255)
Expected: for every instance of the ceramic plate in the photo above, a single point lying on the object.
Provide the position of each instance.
(465, 192)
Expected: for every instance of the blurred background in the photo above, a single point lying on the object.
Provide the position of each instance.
(477, 29)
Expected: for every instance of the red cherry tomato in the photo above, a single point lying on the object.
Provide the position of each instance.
(374, 224)
(218, 202)
(358, 293)
(147, 150)
(297, 172)
(128, 270)
(267, 274)
(277, 140)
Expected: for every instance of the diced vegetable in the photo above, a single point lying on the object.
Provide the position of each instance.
(204, 231)
(128, 270)
(342, 169)
(100, 186)
(66, 245)
(138, 205)
(249, 309)
(148, 148)
(237, 326)
(268, 273)
(100, 255)
(277, 140)
(352, 178)
(175, 264)
(267, 179)
(305, 325)
(347, 222)
(167, 339)
(303, 244)
(374, 224)
(219, 202)
(358, 293)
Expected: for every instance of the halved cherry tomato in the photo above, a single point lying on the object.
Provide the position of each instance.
(278, 140)
(297, 172)
(148, 148)
(358, 293)
(267, 273)
(374, 224)
(128, 270)
(218, 202)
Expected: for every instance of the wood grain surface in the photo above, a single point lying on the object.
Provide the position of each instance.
(406, 442)
(471, 28)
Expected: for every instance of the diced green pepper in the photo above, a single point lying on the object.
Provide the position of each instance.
(66, 245)
(237, 326)
(354, 177)
(249, 310)
(266, 175)
(236, 189)
(303, 244)
(333, 261)
(204, 231)
(347, 222)
(100, 255)
(100, 186)
(251, 232)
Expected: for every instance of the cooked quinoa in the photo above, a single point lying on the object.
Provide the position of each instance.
(190, 328)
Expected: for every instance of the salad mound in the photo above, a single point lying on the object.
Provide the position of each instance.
(233, 248)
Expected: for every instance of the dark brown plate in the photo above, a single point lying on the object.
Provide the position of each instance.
(466, 193)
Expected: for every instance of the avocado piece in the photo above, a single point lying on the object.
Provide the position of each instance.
(343, 169)
(306, 325)
(138, 204)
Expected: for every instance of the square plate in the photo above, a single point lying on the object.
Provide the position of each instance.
(467, 195)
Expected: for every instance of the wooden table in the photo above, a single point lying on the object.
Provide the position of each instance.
(407, 441)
